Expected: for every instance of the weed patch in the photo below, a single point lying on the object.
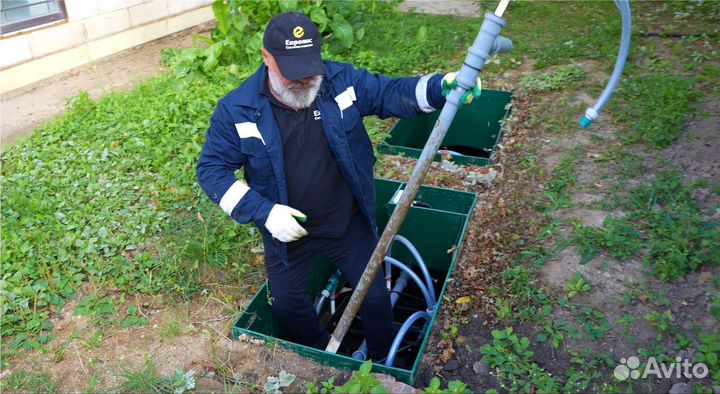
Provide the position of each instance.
(653, 107)
(521, 298)
(148, 380)
(664, 220)
(618, 237)
(510, 356)
(678, 238)
(28, 382)
(558, 188)
(559, 78)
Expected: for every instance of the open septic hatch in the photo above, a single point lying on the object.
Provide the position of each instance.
(472, 136)
(436, 225)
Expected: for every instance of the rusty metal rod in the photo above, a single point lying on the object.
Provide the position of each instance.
(483, 47)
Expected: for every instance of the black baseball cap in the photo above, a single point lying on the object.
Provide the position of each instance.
(294, 41)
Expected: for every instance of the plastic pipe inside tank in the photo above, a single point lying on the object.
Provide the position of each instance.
(401, 334)
(428, 300)
(328, 291)
(400, 285)
(420, 262)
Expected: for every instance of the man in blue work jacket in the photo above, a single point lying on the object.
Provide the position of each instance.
(296, 128)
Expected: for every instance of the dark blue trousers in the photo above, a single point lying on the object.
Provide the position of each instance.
(294, 309)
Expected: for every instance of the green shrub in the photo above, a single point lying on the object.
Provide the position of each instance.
(237, 38)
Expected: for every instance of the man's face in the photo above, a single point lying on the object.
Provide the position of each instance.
(299, 93)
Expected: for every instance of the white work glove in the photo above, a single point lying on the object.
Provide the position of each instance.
(449, 82)
(282, 224)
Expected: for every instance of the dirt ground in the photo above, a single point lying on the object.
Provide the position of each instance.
(697, 151)
(504, 214)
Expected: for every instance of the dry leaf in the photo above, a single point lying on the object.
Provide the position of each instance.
(705, 277)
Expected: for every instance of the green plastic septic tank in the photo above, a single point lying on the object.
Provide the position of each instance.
(435, 225)
(472, 136)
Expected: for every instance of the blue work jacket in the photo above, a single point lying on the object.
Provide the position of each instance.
(243, 134)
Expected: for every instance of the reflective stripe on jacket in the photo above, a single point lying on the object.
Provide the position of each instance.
(243, 133)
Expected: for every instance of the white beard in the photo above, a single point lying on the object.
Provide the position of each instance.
(287, 95)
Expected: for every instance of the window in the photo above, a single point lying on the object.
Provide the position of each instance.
(22, 14)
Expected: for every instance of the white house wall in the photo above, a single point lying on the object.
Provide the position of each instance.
(93, 29)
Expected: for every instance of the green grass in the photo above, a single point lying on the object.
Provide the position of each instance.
(618, 237)
(662, 218)
(679, 238)
(716, 188)
(148, 380)
(28, 382)
(559, 187)
(171, 328)
(561, 77)
(107, 194)
(414, 54)
(654, 107)
(563, 31)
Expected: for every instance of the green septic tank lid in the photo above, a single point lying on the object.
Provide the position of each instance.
(473, 134)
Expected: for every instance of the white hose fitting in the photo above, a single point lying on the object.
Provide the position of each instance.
(591, 114)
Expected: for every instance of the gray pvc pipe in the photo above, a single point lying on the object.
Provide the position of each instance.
(419, 260)
(416, 279)
(362, 352)
(486, 43)
(592, 113)
(502, 45)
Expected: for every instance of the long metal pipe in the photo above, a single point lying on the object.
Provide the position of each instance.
(480, 51)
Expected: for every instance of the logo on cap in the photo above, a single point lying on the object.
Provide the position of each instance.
(298, 32)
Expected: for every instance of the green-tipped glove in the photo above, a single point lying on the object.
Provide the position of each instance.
(449, 82)
(282, 223)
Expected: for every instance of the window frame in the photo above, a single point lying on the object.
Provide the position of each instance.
(59, 15)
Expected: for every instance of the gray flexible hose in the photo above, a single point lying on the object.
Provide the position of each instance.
(401, 334)
(400, 284)
(428, 300)
(419, 260)
(592, 113)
